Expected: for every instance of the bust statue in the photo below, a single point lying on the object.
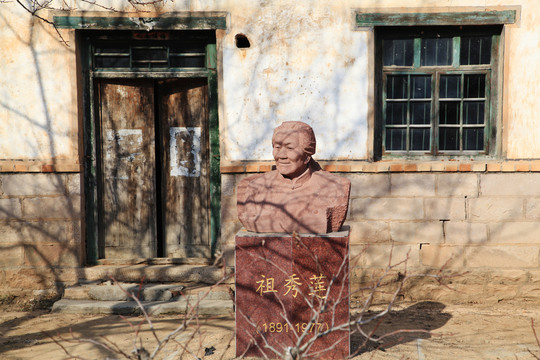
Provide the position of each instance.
(298, 196)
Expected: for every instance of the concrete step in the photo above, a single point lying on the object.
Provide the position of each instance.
(182, 273)
(205, 307)
(109, 291)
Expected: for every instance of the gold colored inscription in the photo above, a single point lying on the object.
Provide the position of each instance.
(278, 327)
(291, 285)
(266, 285)
(319, 288)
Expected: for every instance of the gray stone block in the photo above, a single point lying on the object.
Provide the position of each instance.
(33, 184)
(404, 184)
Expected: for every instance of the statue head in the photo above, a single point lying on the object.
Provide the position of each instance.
(293, 144)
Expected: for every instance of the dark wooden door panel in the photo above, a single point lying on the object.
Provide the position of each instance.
(128, 198)
(183, 113)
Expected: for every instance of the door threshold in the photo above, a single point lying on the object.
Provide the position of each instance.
(156, 261)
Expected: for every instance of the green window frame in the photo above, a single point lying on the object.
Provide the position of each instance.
(438, 90)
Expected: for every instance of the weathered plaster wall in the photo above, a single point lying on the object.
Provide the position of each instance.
(38, 114)
(306, 62)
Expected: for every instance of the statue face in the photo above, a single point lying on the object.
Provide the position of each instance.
(291, 160)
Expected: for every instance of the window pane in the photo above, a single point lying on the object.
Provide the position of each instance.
(396, 113)
(436, 51)
(398, 52)
(475, 50)
(475, 86)
(396, 139)
(396, 87)
(145, 54)
(421, 87)
(187, 61)
(449, 112)
(421, 113)
(420, 139)
(449, 138)
(473, 139)
(450, 86)
(473, 112)
(112, 62)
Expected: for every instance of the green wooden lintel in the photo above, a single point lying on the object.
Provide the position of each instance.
(442, 18)
(140, 23)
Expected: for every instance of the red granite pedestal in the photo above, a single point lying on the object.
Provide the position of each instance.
(288, 285)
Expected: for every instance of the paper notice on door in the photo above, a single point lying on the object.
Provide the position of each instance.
(185, 151)
(123, 151)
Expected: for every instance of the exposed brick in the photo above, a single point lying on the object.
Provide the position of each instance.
(10, 208)
(457, 184)
(252, 168)
(465, 233)
(410, 167)
(387, 208)
(493, 167)
(535, 165)
(465, 167)
(232, 169)
(378, 167)
(60, 207)
(343, 168)
(523, 166)
(369, 185)
(451, 167)
(265, 168)
(515, 232)
(412, 184)
(478, 167)
(439, 166)
(396, 167)
(417, 232)
(365, 232)
(508, 166)
(496, 209)
(459, 257)
(330, 167)
(33, 184)
(425, 167)
(11, 255)
(47, 168)
(357, 167)
(450, 208)
(514, 184)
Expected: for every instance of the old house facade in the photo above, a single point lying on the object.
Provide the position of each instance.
(123, 133)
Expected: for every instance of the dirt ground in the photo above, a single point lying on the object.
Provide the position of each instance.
(467, 331)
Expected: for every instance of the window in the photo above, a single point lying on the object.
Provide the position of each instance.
(437, 90)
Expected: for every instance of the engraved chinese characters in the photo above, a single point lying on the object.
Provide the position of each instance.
(298, 196)
(287, 285)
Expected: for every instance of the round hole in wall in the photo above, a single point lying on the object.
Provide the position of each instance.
(242, 42)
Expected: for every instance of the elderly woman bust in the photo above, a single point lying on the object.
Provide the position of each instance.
(298, 196)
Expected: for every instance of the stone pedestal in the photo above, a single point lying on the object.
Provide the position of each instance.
(290, 284)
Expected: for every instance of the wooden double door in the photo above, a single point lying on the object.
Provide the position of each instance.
(153, 168)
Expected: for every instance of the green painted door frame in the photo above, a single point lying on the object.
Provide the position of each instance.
(89, 75)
